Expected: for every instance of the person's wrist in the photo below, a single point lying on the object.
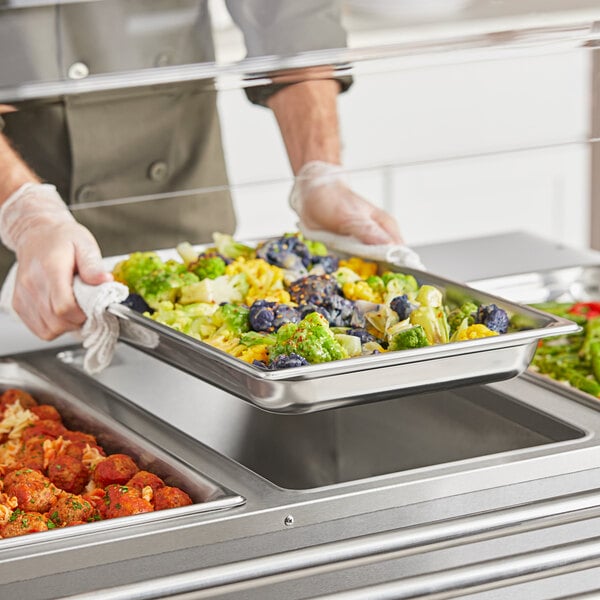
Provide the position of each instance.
(29, 206)
(312, 175)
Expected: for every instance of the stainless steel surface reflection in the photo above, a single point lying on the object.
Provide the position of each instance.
(349, 444)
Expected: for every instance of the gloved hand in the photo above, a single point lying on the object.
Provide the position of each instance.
(324, 202)
(50, 247)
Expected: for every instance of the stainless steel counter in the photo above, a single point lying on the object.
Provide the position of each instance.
(482, 492)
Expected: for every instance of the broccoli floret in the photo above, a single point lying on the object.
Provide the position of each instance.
(402, 306)
(208, 266)
(414, 337)
(164, 286)
(270, 316)
(311, 338)
(493, 318)
(315, 248)
(399, 283)
(376, 284)
(457, 315)
(138, 266)
(233, 317)
(229, 248)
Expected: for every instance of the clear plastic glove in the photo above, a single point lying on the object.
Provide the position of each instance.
(324, 202)
(50, 247)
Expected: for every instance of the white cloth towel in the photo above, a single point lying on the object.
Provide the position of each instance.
(100, 330)
(401, 256)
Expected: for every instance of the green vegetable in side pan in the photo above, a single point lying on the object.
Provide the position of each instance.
(575, 358)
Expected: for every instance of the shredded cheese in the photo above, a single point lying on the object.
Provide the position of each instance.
(16, 419)
(54, 448)
(91, 457)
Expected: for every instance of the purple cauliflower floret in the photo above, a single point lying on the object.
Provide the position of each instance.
(137, 303)
(492, 317)
(401, 306)
(329, 263)
(314, 289)
(285, 252)
(322, 294)
(283, 361)
(270, 316)
(362, 334)
(341, 311)
(287, 361)
(306, 309)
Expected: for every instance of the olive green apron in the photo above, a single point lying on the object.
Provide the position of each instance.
(161, 145)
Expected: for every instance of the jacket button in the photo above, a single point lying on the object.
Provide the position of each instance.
(86, 193)
(78, 70)
(158, 171)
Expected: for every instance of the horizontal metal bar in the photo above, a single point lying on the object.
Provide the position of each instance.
(260, 70)
(521, 518)
(537, 564)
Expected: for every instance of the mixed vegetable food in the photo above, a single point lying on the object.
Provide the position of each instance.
(289, 302)
(573, 359)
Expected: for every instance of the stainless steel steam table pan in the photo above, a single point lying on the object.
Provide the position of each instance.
(577, 283)
(358, 379)
(207, 495)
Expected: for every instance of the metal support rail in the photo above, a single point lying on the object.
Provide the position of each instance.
(335, 555)
(483, 576)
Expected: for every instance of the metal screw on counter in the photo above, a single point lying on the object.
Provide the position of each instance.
(78, 70)
(158, 171)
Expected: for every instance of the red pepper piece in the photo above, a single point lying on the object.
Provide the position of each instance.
(586, 309)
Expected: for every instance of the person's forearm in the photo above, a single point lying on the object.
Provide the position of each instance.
(307, 116)
(13, 170)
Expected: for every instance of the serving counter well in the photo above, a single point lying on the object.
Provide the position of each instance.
(498, 481)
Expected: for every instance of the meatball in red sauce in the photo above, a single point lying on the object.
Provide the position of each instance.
(68, 473)
(170, 497)
(116, 468)
(122, 501)
(144, 478)
(22, 523)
